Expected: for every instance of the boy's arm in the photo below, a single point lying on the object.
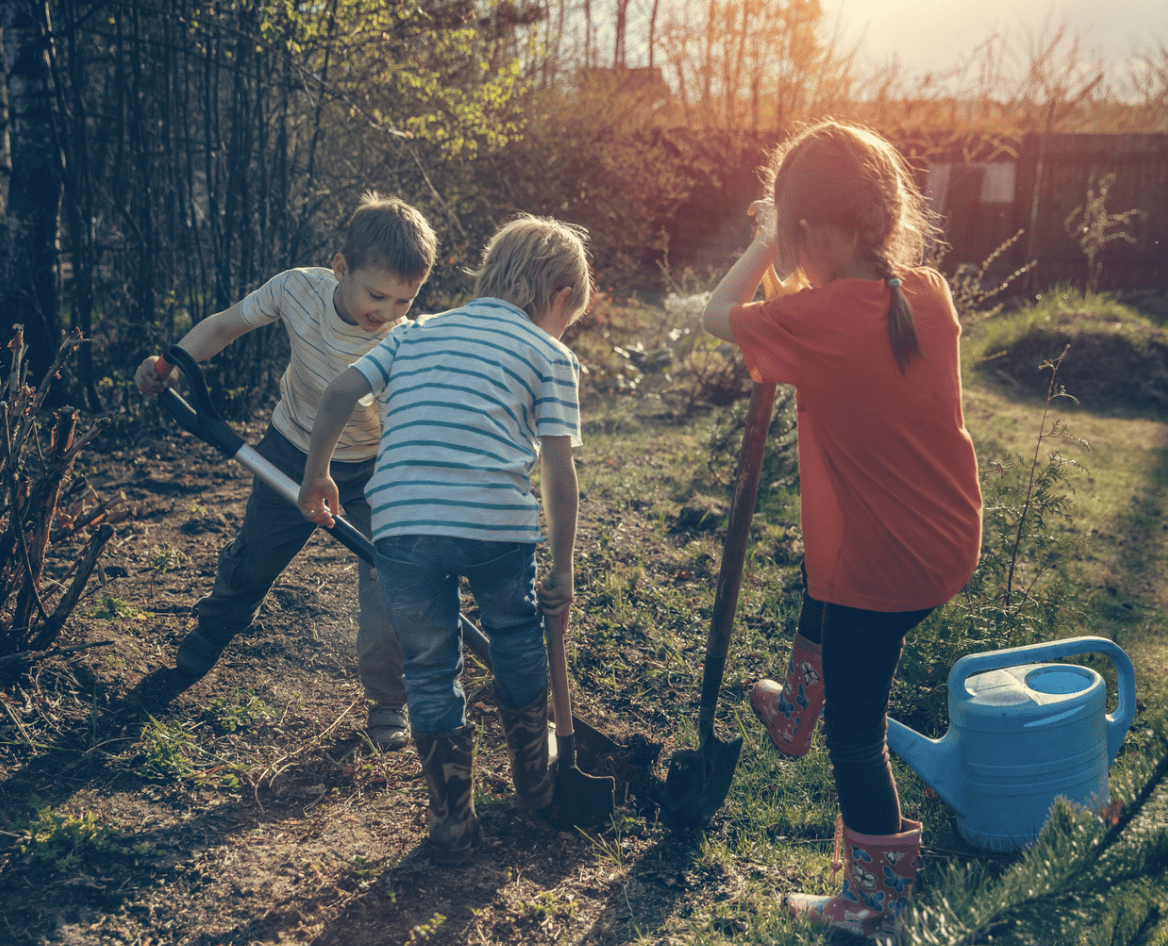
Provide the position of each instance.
(561, 500)
(319, 499)
(204, 341)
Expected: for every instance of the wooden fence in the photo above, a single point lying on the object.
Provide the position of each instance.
(1037, 188)
(986, 187)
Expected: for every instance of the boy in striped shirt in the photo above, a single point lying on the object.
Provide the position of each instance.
(470, 400)
(333, 317)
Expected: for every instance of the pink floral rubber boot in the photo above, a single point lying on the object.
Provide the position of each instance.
(791, 711)
(879, 872)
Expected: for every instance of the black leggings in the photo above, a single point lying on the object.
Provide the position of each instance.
(861, 650)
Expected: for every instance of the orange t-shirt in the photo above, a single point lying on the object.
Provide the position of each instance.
(891, 504)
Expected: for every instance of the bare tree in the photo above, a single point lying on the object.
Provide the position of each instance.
(28, 271)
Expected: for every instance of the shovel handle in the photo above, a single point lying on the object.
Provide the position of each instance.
(557, 631)
(205, 423)
(758, 422)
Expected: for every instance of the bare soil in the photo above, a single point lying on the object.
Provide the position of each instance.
(323, 840)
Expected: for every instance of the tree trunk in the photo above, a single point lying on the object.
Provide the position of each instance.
(29, 270)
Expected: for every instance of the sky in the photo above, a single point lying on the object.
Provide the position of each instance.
(936, 35)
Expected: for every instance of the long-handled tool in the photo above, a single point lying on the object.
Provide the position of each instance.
(580, 799)
(698, 780)
(205, 423)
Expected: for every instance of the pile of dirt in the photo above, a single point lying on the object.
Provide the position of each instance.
(1108, 366)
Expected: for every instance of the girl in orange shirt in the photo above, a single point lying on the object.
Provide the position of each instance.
(891, 506)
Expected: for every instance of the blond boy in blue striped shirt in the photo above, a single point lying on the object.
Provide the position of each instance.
(471, 400)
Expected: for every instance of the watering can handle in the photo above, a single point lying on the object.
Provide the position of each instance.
(1125, 710)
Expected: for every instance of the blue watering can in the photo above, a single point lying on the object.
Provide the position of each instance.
(1021, 734)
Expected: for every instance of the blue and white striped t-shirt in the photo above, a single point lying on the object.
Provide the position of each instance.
(465, 396)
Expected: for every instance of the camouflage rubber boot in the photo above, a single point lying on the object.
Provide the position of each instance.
(879, 872)
(791, 711)
(526, 730)
(448, 764)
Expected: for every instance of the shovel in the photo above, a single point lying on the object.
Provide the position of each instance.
(205, 423)
(580, 799)
(699, 779)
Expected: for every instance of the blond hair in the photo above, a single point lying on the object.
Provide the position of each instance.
(388, 233)
(531, 259)
(855, 180)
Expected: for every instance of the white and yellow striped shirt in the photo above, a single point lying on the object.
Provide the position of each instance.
(322, 347)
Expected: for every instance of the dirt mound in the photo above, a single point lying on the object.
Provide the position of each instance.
(1106, 366)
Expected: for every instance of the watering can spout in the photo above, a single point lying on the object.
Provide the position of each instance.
(937, 761)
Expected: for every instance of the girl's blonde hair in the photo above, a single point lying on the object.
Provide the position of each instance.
(855, 180)
(530, 259)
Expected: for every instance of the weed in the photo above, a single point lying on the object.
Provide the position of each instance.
(165, 557)
(70, 842)
(1093, 227)
(115, 609)
(173, 752)
(423, 931)
(974, 293)
(242, 710)
(549, 906)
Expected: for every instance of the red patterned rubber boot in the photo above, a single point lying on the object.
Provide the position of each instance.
(791, 711)
(879, 872)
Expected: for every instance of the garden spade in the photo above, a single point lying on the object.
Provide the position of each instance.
(580, 799)
(205, 423)
(699, 779)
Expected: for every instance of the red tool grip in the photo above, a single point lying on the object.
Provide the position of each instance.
(163, 367)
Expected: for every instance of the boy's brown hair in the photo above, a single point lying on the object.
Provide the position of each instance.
(388, 233)
(530, 259)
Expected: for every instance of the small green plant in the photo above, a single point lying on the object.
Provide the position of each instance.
(549, 906)
(115, 609)
(69, 842)
(174, 753)
(165, 557)
(780, 464)
(242, 710)
(423, 931)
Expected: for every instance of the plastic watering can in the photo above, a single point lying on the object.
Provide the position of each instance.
(1021, 734)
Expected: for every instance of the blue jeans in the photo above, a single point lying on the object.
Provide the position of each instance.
(419, 577)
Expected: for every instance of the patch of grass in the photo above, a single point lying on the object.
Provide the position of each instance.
(170, 752)
(1116, 358)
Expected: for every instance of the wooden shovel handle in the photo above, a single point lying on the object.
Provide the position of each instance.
(758, 421)
(557, 630)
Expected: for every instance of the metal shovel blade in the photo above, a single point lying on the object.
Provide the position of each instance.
(699, 780)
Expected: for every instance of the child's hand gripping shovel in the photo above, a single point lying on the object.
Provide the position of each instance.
(699, 779)
(205, 423)
(579, 799)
